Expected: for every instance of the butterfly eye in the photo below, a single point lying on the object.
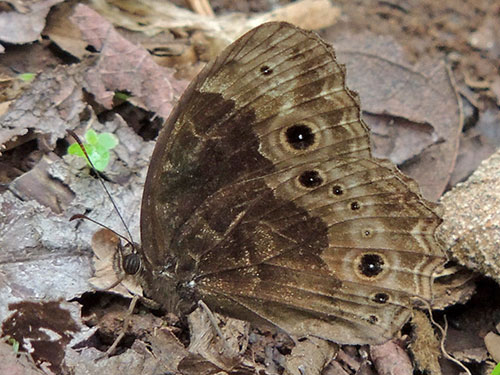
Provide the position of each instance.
(310, 179)
(371, 265)
(266, 70)
(131, 263)
(300, 136)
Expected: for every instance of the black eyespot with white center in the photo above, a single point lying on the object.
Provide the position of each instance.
(355, 206)
(373, 319)
(337, 190)
(310, 179)
(381, 298)
(371, 265)
(266, 70)
(300, 136)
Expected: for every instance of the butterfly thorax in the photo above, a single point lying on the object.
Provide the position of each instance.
(175, 294)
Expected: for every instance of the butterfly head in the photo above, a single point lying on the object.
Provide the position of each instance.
(131, 262)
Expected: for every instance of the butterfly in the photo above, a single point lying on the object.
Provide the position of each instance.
(263, 200)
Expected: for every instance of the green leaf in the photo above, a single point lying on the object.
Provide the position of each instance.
(496, 370)
(91, 137)
(101, 161)
(122, 95)
(26, 77)
(15, 344)
(75, 149)
(107, 140)
(97, 147)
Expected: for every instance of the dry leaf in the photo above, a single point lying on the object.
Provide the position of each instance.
(399, 104)
(65, 33)
(310, 356)
(55, 102)
(44, 329)
(206, 346)
(155, 16)
(19, 28)
(123, 66)
(105, 246)
(390, 359)
(426, 346)
(38, 185)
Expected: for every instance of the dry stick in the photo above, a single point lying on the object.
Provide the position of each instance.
(201, 7)
(126, 321)
(469, 98)
(480, 85)
(212, 319)
(453, 83)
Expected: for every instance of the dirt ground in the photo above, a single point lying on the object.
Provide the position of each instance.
(428, 75)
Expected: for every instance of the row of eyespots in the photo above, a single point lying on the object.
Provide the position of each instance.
(380, 298)
(301, 137)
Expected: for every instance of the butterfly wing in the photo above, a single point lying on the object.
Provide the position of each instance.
(263, 199)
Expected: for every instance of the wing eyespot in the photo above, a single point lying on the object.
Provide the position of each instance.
(310, 179)
(371, 265)
(266, 70)
(300, 136)
(381, 298)
(337, 190)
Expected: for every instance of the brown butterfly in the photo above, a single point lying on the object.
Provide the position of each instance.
(263, 200)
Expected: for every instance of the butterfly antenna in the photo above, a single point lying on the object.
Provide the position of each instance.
(81, 216)
(78, 216)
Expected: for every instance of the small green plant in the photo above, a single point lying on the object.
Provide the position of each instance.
(121, 95)
(26, 77)
(97, 147)
(15, 344)
(496, 370)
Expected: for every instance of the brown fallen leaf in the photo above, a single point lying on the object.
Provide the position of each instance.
(55, 102)
(152, 17)
(390, 359)
(453, 285)
(413, 110)
(492, 342)
(38, 185)
(477, 144)
(224, 353)
(105, 246)
(65, 33)
(310, 356)
(44, 329)
(19, 28)
(123, 66)
(10, 364)
(425, 347)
